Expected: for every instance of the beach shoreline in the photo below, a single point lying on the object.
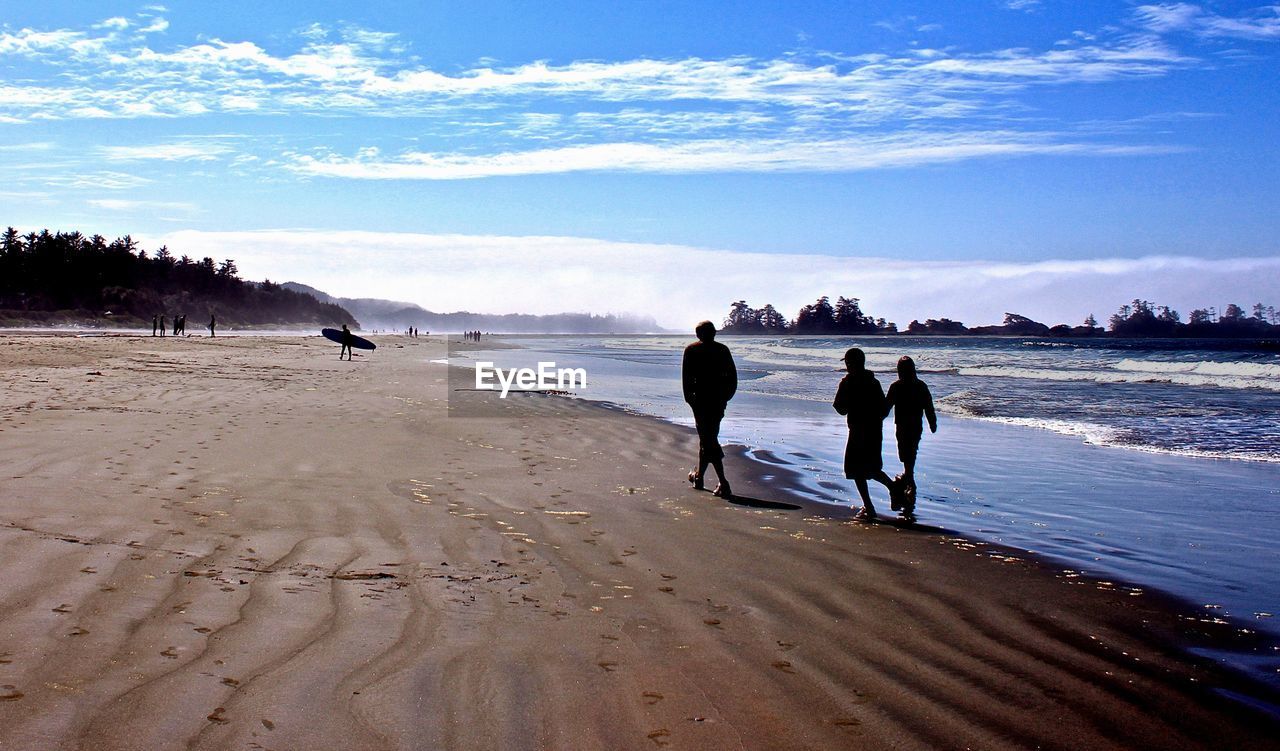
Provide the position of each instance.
(243, 540)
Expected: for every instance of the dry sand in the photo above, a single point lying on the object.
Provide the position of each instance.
(245, 543)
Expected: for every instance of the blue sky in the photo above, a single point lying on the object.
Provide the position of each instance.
(934, 158)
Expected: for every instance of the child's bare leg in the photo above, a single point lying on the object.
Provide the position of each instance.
(863, 491)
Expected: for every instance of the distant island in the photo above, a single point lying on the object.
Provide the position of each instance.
(66, 278)
(397, 316)
(1140, 318)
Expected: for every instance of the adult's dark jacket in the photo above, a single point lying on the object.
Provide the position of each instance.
(860, 399)
(709, 376)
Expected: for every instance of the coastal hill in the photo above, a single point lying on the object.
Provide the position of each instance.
(66, 278)
(396, 316)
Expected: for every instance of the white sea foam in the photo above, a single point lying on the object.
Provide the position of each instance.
(1228, 375)
(1104, 435)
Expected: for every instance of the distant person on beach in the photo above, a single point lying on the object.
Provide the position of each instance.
(163, 326)
(910, 401)
(180, 325)
(155, 324)
(710, 380)
(346, 342)
(861, 400)
(213, 323)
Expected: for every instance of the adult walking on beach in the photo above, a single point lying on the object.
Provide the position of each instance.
(911, 402)
(861, 400)
(710, 380)
(213, 323)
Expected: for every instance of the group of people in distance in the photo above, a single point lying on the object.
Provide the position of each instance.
(471, 336)
(158, 326)
(710, 379)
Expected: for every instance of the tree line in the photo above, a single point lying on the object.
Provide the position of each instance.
(821, 317)
(1139, 318)
(49, 275)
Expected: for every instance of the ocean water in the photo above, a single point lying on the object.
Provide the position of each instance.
(1153, 462)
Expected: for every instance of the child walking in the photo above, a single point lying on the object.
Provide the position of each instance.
(910, 401)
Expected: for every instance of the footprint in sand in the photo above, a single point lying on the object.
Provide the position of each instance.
(660, 736)
(230, 682)
(77, 631)
(268, 724)
(170, 652)
(11, 693)
(63, 608)
(668, 590)
(784, 666)
(652, 697)
(218, 716)
(607, 666)
(846, 722)
(668, 577)
(4, 658)
(713, 622)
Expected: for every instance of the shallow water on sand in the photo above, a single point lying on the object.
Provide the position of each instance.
(1203, 528)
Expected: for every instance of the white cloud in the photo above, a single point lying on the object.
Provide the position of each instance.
(104, 180)
(155, 26)
(1265, 25)
(867, 153)
(1168, 17)
(495, 274)
(1261, 24)
(366, 72)
(32, 146)
(113, 204)
(172, 152)
(816, 111)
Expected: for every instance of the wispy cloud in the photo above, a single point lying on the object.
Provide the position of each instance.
(169, 152)
(812, 111)
(491, 274)
(362, 72)
(707, 156)
(114, 204)
(1260, 24)
(103, 180)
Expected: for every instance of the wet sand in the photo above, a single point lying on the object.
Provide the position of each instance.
(245, 543)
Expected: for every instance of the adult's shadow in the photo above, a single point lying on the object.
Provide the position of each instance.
(746, 500)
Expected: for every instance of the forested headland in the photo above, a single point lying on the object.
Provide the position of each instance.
(53, 278)
(1139, 318)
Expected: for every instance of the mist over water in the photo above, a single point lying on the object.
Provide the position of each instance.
(1156, 463)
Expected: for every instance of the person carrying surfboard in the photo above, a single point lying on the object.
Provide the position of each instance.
(347, 341)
